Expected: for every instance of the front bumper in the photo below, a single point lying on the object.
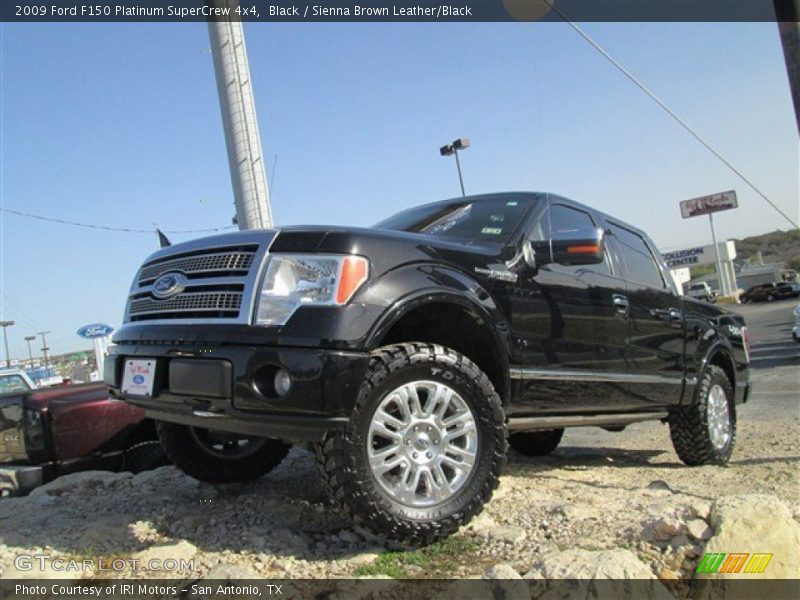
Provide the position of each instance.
(229, 387)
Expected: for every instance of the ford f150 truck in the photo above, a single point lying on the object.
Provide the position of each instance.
(412, 353)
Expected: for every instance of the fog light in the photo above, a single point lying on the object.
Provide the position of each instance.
(283, 382)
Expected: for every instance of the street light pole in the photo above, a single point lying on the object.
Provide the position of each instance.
(44, 347)
(460, 178)
(453, 148)
(29, 339)
(4, 325)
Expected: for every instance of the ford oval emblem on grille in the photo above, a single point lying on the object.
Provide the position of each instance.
(169, 284)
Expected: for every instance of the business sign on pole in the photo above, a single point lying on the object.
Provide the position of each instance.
(95, 330)
(699, 255)
(705, 205)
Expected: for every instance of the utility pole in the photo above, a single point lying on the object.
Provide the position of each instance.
(787, 14)
(44, 347)
(29, 339)
(242, 138)
(5, 325)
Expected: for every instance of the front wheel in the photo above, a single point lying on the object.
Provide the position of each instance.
(218, 456)
(424, 447)
(704, 432)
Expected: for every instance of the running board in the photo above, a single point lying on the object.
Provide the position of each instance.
(534, 423)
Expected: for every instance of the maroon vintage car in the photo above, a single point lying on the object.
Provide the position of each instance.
(49, 432)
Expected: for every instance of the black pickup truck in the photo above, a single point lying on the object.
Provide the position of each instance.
(412, 353)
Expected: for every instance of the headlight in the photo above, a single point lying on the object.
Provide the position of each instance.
(294, 280)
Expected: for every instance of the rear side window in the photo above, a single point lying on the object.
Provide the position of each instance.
(639, 261)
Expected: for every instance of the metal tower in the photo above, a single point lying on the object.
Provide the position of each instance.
(242, 139)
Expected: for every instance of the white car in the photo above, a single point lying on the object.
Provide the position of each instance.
(796, 328)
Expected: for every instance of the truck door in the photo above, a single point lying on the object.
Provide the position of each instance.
(655, 337)
(570, 336)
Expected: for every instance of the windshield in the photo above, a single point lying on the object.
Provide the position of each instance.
(10, 384)
(479, 219)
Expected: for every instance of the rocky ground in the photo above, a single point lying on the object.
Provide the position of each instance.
(603, 505)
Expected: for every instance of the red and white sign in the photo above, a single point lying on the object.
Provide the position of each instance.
(138, 377)
(705, 205)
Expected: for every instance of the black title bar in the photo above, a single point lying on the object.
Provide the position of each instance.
(321, 11)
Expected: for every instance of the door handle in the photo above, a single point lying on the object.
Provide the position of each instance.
(676, 318)
(621, 304)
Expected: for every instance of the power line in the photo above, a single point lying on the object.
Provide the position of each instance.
(669, 111)
(106, 227)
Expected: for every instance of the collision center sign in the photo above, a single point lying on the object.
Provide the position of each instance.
(699, 255)
(705, 205)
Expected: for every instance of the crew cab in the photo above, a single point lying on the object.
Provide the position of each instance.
(412, 353)
(47, 432)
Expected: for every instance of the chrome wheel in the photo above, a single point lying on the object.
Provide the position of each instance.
(718, 417)
(422, 443)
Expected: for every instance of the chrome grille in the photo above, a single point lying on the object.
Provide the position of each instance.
(217, 262)
(192, 302)
(221, 279)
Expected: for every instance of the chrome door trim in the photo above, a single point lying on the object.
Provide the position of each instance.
(577, 375)
(557, 422)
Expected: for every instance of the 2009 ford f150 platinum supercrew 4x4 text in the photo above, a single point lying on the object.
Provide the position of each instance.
(413, 352)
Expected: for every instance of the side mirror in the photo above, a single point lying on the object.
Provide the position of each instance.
(566, 248)
(578, 247)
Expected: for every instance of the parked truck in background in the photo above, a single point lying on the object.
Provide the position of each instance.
(411, 354)
(47, 432)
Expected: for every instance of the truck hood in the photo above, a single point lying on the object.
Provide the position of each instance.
(325, 238)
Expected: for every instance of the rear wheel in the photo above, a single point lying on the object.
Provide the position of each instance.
(144, 457)
(424, 447)
(704, 432)
(536, 443)
(217, 456)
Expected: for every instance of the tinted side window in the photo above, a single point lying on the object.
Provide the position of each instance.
(565, 219)
(639, 261)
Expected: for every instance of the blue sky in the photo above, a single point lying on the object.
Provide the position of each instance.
(119, 125)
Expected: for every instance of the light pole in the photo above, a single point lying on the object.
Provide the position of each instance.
(4, 325)
(453, 148)
(44, 347)
(29, 339)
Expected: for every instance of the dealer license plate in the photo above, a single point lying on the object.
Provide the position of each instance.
(138, 377)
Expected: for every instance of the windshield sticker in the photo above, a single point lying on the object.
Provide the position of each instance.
(497, 218)
(492, 230)
(512, 203)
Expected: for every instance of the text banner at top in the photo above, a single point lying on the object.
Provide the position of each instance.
(180, 11)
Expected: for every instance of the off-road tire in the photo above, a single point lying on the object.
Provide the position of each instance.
(342, 455)
(144, 457)
(536, 443)
(688, 425)
(185, 453)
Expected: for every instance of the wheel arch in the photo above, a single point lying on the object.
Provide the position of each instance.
(721, 356)
(454, 320)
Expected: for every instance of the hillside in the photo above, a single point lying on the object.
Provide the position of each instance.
(776, 246)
